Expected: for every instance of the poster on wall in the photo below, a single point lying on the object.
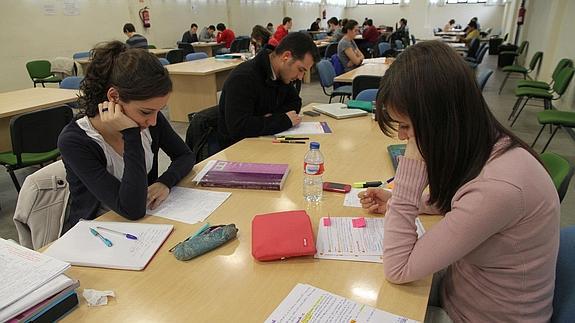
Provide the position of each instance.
(71, 8)
(49, 8)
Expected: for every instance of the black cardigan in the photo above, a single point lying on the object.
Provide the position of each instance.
(91, 184)
(249, 93)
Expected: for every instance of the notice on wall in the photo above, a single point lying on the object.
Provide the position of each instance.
(71, 8)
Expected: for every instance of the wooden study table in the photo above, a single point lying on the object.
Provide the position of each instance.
(159, 52)
(366, 69)
(195, 85)
(208, 48)
(18, 102)
(228, 284)
(449, 33)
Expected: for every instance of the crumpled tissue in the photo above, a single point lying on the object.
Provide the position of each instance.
(97, 297)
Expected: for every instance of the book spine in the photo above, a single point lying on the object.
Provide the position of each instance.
(58, 310)
(259, 186)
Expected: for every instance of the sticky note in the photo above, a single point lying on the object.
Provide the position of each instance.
(358, 222)
(326, 222)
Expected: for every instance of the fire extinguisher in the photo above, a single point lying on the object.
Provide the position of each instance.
(521, 14)
(323, 14)
(145, 17)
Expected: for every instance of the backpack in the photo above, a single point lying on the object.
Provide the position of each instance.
(201, 135)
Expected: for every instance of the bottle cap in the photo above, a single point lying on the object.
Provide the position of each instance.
(314, 145)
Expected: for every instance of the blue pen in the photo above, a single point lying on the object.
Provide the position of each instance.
(107, 242)
(127, 235)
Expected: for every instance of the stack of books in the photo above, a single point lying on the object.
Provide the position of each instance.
(34, 288)
(221, 173)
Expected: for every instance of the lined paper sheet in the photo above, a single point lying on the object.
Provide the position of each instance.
(304, 128)
(79, 247)
(189, 205)
(23, 270)
(306, 303)
(341, 241)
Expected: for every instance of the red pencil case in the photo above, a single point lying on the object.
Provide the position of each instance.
(282, 235)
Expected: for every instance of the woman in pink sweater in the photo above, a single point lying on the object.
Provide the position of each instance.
(499, 237)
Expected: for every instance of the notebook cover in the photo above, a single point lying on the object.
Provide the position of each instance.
(58, 309)
(338, 111)
(245, 175)
(362, 105)
(282, 235)
(394, 152)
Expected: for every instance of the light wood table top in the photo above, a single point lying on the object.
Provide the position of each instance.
(207, 44)
(160, 51)
(450, 33)
(228, 284)
(366, 69)
(202, 66)
(22, 101)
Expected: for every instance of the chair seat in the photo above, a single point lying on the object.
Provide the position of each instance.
(8, 158)
(536, 84)
(343, 90)
(507, 52)
(49, 79)
(515, 69)
(533, 93)
(564, 118)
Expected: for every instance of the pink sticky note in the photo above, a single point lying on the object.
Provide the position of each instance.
(358, 222)
(326, 222)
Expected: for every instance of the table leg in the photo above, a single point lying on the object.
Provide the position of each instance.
(5, 139)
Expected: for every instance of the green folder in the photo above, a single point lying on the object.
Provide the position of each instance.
(362, 105)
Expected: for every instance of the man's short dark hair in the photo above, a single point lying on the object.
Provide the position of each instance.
(129, 28)
(299, 44)
(369, 22)
(221, 27)
(404, 21)
(452, 21)
(318, 19)
(472, 24)
(286, 20)
(270, 24)
(333, 21)
(193, 25)
(211, 27)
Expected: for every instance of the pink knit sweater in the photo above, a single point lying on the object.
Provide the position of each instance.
(499, 242)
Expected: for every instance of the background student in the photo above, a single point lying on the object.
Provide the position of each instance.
(260, 37)
(207, 34)
(226, 36)
(111, 151)
(190, 36)
(259, 98)
(449, 26)
(134, 40)
(499, 236)
(315, 25)
(347, 51)
(281, 31)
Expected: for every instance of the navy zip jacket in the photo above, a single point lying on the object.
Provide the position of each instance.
(249, 94)
(91, 184)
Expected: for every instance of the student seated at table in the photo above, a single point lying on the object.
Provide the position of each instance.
(315, 25)
(111, 151)
(258, 97)
(190, 36)
(449, 26)
(281, 31)
(260, 37)
(226, 36)
(347, 51)
(472, 33)
(370, 36)
(499, 236)
(207, 34)
(134, 40)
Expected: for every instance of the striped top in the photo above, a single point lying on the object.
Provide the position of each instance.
(137, 41)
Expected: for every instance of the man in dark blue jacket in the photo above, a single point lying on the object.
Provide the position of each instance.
(259, 98)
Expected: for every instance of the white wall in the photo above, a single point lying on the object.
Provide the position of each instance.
(422, 17)
(28, 33)
(549, 28)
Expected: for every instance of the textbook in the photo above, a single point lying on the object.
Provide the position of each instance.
(221, 173)
(394, 152)
(362, 105)
(338, 111)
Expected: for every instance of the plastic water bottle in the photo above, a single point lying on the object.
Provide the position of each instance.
(313, 172)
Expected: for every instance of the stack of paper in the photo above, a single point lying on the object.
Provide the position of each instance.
(28, 279)
(307, 128)
(340, 239)
(306, 303)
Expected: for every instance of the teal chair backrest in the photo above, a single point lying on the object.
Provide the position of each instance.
(560, 171)
(563, 80)
(39, 69)
(535, 60)
(522, 47)
(564, 62)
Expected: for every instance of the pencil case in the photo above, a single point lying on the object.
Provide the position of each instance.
(208, 240)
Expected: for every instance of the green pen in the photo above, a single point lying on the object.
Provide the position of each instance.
(107, 242)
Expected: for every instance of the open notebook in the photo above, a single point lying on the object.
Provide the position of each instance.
(81, 248)
(338, 110)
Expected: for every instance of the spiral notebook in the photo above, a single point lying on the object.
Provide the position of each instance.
(81, 248)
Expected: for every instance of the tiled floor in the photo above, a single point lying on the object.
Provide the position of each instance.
(526, 128)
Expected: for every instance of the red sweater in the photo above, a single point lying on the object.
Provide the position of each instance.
(227, 36)
(370, 34)
(280, 33)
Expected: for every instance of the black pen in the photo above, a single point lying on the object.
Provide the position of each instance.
(288, 142)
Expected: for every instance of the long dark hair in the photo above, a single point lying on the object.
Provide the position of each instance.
(454, 128)
(135, 73)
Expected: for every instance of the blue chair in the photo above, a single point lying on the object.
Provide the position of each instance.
(483, 77)
(337, 66)
(473, 63)
(79, 55)
(196, 56)
(326, 75)
(71, 82)
(369, 95)
(164, 61)
(564, 298)
(330, 50)
(383, 47)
